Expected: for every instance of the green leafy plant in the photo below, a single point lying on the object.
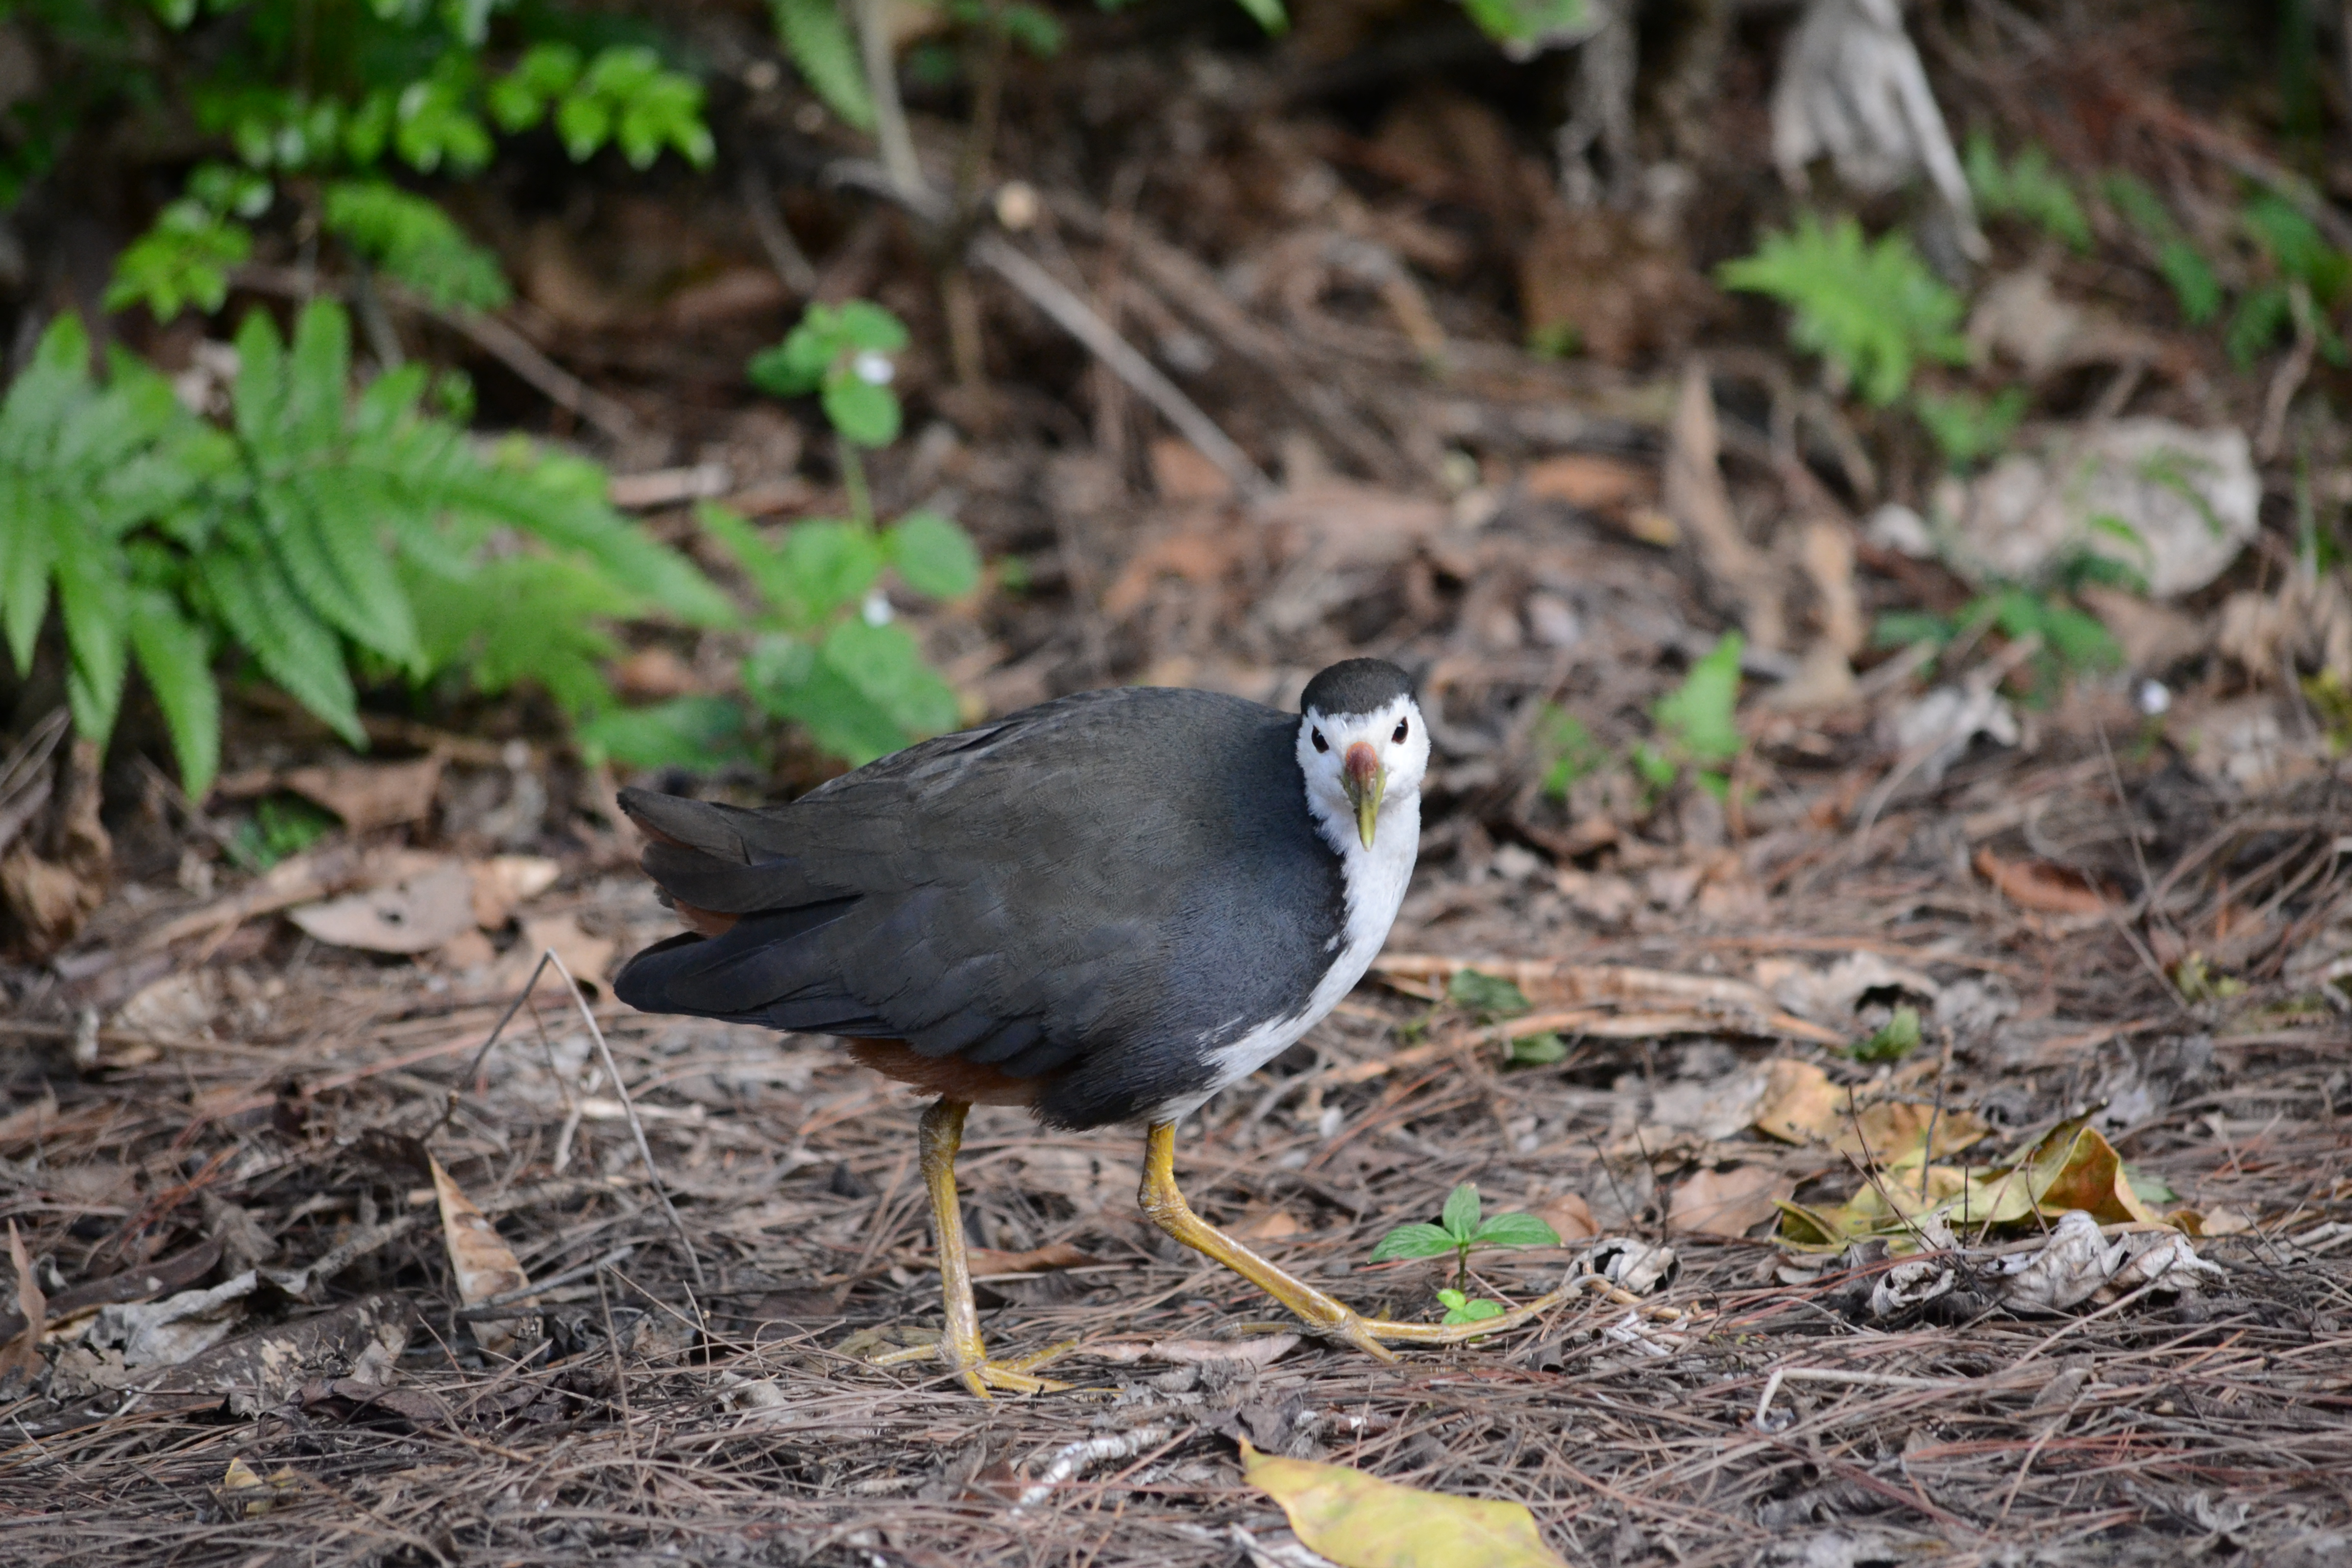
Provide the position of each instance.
(413, 240)
(1489, 998)
(1893, 1040)
(1697, 722)
(1565, 751)
(2182, 266)
(2028, 188)
(279, 827)
(2071, 639)
(1967, 428)
(314, 98)
(320, 534)
(1461, 1231)
(828, 654)
(1872, 310)
(2301, 260)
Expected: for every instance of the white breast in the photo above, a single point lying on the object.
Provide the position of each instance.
(1375, 881)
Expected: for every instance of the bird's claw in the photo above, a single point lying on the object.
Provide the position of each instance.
(978, 1370)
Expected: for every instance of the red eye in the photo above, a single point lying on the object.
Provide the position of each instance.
(1399, 736)
(1320, 744)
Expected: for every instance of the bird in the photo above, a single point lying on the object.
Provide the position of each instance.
(1103, 907)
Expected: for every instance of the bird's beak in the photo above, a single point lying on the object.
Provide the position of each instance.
(1364, 779)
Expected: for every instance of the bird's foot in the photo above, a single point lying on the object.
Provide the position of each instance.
(972, 1363)
(1372, 1335)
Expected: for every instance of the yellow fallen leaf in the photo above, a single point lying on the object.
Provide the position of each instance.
(252, 1496)
(1800, 1105)
(1362, 1521)
(2086, 1173)
(484, 1265)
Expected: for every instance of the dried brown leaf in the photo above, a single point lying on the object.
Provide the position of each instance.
(414, 914)
(368, 795)
(2039, 885)
(1728, 1203)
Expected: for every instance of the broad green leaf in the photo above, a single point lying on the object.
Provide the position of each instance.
(1268, 14)
(817, 37)
(1893, 1041)
(861, 412)
(828, 564)
(519, 99)
(1362, 1521)
(777, 664)
(1460, 1217)
(933, 556)
(1516, 1230)
(839, 717)
(1488, 996)
(175, 657)
(1700, 713)
(884, 664)
(862, 324)
(793, 368)
(697, 734)
(745, 545)
(1412, 1241)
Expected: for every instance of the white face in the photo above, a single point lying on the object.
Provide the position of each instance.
(1399, 743)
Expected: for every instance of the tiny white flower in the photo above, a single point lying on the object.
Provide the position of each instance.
(873, 368)
(877, 608)
(2154, 698)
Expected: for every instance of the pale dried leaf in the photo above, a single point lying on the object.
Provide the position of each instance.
(414, 914)
(23, 1353)
(1728, 1203)
(368, 795)
(504, 881)
(482, 1263)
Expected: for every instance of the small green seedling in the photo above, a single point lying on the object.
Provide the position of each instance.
(1895, 1039)
(1490, 997)
(1697, 723)
(1461, 1309)
(1461, 1231)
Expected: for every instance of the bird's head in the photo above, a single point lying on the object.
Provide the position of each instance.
(1361, 743)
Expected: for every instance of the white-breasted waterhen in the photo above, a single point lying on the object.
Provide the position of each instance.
(1105, 908)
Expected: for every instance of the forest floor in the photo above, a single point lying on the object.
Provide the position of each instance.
(236, 1111)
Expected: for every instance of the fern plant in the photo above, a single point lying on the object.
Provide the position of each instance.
(369, 85)
(2028, 187)
(318, 533)
(1874, 312)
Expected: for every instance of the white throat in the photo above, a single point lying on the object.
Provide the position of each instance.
(1373, 877)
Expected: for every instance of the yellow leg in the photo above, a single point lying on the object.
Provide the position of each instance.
(1170, 1213)
(959, 1342)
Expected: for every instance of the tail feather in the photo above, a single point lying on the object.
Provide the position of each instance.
(686, 823)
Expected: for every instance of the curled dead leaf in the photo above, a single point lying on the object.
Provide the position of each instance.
(988, 1260)
(479, 1258)
(2039, 885)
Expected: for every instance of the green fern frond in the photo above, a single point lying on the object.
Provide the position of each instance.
(1872, 310)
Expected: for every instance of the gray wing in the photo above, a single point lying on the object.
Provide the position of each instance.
(1104, 887)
